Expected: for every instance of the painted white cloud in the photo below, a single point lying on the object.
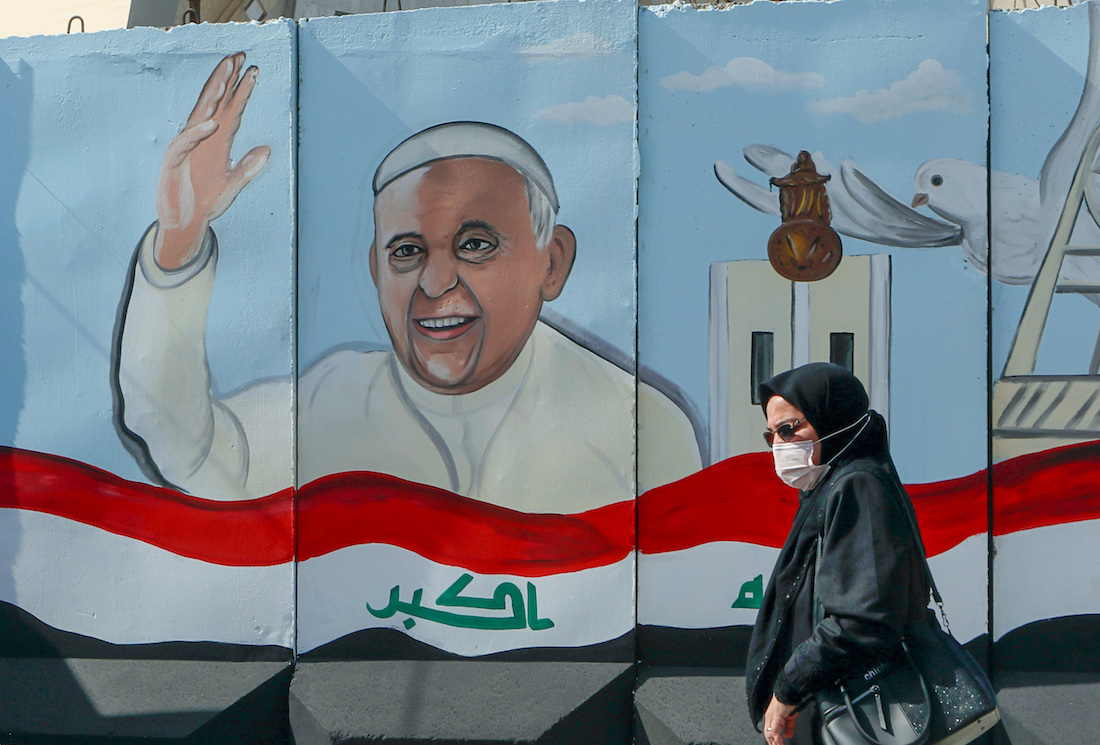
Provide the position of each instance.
(602, 111)
(582, 43)
(748, 73)
(931, 87)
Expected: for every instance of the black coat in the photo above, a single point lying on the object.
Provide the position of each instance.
(871, 583)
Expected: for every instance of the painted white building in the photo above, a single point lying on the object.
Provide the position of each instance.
(843, 319)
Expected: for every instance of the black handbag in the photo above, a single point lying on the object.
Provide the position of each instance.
(928, 692)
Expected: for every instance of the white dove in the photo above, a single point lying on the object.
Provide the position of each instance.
(860, 208)
(1025, 211)
(956, 191)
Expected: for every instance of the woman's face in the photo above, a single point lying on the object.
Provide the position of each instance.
(780, 411)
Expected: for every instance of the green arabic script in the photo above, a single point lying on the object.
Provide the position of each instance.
(506, 595)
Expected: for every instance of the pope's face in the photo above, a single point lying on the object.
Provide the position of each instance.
(460, 280)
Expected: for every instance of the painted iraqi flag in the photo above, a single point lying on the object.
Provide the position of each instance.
(129, 563)
(458, 574)
(707, 543)
(87, 552)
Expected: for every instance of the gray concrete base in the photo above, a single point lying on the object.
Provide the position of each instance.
(693, 706)
(468, 702)
(1046, 708)
(163, 699)
(443, 703)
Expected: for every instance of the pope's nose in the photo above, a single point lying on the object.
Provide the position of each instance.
(439, 274)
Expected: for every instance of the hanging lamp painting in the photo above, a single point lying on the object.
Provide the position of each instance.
(804, 248)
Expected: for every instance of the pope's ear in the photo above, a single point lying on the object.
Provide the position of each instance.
(561, 251)
(372, 257)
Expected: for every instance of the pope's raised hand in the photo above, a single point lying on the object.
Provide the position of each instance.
(197, 181)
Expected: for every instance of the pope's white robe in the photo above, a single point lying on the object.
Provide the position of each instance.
(555, 433)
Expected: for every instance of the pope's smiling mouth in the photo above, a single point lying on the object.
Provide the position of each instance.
(444, 327)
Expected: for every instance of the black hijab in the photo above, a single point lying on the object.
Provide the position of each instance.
(831, 398)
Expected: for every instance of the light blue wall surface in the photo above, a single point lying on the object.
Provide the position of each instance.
(102, 109)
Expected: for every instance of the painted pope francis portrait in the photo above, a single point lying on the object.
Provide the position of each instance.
(477, 395)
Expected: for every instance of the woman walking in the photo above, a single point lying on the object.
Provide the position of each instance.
(869, 582)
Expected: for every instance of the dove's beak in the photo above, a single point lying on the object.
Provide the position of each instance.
(919, 200)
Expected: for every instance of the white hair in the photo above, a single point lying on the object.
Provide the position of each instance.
(543, 215)
(478, 140)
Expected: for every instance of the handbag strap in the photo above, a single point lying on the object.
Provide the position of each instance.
(906, 505)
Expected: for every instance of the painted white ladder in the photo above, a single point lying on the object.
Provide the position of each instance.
(1058, 408)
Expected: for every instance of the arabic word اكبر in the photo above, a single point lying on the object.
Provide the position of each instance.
(506, 596)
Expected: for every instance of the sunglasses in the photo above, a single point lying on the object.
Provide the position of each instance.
(785, 431)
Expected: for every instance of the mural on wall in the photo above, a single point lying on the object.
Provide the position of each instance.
(466, 423)
(1046, 402)
(101, 559)
(463, 466)
(474, 452)
(902, 308)
(455, 267)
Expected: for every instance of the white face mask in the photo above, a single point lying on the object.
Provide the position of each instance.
(794, 464)
(794, 460)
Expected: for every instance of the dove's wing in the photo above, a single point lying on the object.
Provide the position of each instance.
(749, 192)
(1022, 227)
(770, 160)
(1061, 162)
(862, 209)
(773, 162)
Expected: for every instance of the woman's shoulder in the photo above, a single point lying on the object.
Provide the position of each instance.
(863, 467)
(867, 481)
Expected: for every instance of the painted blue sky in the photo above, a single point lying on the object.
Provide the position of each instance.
(840, 77)
(888, 84)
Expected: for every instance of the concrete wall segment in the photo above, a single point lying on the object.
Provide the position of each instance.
(95, 569)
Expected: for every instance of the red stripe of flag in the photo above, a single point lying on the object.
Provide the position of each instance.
(334, 512)
(258, 532)
(736, 500)
(740, 499)
(351, 508)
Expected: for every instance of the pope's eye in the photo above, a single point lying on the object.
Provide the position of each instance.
(476, 245)
(937, 180)
(405, 251)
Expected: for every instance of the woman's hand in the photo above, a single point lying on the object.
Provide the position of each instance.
(779, 722)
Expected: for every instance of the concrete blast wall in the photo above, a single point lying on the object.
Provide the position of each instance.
(391, 378)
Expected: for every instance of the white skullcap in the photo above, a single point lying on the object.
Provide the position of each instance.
(465, 140)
